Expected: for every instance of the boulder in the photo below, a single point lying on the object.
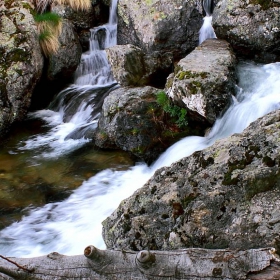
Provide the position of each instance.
(252, 27)
(131, 67)
(129, 122)
(21, 61)
(226, 196)
(204, 80)
(132, 120)
(64, 63)
(166, 26)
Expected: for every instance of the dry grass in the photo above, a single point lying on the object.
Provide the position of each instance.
(41, 5)
(49, 26)
(49, 43)
(76, 4)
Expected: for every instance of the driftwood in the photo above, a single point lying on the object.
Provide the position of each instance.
(192, 264)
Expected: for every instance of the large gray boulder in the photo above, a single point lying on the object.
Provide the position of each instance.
(21, 61)
(252, 27)
(204, 80)
(132, 67)
(171, 26)
(226, 196)
(132, 120)
(64, 63)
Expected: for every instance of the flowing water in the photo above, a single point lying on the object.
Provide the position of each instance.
(206, 31)
(72, 224)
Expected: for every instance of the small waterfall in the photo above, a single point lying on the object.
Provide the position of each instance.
(71, 225)
(207, 31)
(74, 113)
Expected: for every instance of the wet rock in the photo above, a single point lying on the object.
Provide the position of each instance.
(204, 80)
(226, 196)
(132, 120)
(64, 63)
(21, 61)
(252, 27)
(171, 26)
(97, 15)
(131, 67)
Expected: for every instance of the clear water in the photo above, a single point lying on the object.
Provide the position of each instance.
(71, 225)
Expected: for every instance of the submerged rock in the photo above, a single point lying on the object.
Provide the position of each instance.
(252, 27)
(226, 196)
(21, 61)
(205, 80)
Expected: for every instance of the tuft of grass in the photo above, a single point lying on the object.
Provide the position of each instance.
(49, 26)
(49, 21)
(48, 42)
(76, 4)
(41, 5)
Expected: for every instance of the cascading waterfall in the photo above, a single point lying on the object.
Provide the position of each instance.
(207, 31)
(69, 226)
(75, 111)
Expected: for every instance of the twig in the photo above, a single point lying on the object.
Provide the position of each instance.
(19, 266)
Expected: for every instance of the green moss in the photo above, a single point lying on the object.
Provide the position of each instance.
(181, 75)
(16, 55)
(149, 2)
(265, 4)
(194, 87)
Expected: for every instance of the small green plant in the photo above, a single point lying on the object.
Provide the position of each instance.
(177, 113)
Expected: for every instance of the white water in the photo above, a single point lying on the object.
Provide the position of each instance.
(75, 107)
(206, 31)
(69, 226)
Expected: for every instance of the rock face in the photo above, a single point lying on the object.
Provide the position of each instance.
(252, 27)
(165, 25)
(21, 61)
(64, 63)
(131, 67)
(227, 196)
(84, 20)
(204, 80)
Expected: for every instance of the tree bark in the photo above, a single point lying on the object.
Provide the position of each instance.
(188, 264)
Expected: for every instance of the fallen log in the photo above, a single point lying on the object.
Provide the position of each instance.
(189, 264)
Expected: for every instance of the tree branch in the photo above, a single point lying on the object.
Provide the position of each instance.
(187, 264)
